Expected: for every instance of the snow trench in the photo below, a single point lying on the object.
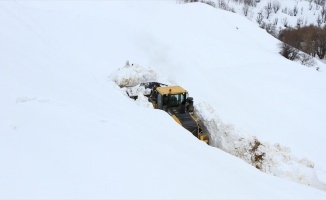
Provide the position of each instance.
(270, 158)
(274, 159)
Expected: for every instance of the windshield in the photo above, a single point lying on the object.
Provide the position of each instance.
(176, 99)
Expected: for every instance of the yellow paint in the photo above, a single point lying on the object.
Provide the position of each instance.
(204, 137)
(176, 119)
(170, 90)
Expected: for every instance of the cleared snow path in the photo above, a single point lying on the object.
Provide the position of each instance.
(270, 158)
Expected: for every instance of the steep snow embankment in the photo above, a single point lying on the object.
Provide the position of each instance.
(270, 158)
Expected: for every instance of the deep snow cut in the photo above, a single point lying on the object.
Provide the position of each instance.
(270, 158)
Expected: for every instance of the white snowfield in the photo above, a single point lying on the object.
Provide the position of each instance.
(68, 131)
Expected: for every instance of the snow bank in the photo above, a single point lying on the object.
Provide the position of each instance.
(273, 159)
(132, 74)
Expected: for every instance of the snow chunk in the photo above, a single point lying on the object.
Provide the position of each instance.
(138, 89)
(143, 101)
(132, 74)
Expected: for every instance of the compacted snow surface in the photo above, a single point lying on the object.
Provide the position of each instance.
(67, 130)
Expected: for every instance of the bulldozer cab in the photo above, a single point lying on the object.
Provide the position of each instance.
(171, 96)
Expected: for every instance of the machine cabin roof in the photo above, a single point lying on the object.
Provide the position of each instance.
(170, 90)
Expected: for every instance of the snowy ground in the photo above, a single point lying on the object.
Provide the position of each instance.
(67, 131)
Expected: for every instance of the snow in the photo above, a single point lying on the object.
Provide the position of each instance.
(68, 131)
(307, 12)
(132, 75)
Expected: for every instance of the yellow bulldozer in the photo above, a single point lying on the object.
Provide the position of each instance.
(175, 101)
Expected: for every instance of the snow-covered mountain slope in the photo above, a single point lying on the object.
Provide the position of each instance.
(67, 131)
(281, 13)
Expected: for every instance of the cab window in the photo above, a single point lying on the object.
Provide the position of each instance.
(159, 101)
